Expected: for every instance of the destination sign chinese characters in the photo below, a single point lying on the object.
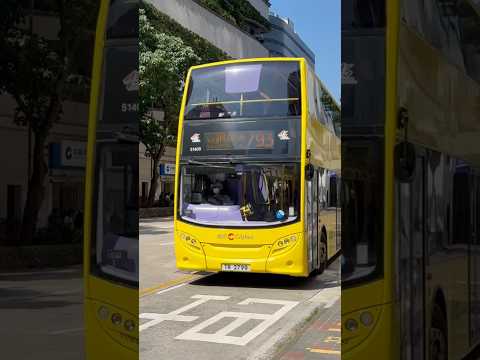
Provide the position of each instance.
(239, 140)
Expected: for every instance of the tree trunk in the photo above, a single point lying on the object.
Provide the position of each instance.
(155, 176)
(36, 191)
(153, 182)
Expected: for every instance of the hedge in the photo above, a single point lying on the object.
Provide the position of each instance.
(204, 49)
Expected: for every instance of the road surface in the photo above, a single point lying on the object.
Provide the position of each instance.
(231, 316)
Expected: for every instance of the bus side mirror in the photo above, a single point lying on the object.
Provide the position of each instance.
(405, 161)
(309, 172)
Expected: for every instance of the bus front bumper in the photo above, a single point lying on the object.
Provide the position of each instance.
(269, 258)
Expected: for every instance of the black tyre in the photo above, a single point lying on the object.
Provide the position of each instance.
(438, 335)
(322, 254)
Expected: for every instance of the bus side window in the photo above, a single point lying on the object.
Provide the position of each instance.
(319, 184)
(461, 207)
(332, 201)
(312, 108)
(318, 103)
(477, 215)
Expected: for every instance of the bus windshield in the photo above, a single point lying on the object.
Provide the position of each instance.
(240, 195)
(116, 250)
(363, 124)
(245, 90)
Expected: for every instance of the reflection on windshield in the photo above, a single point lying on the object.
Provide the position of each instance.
(239, 195)
(117, 211)
(245, 90)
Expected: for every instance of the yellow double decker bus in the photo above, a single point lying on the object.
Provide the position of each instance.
(111, 194)
(410, 179)
(257, 168)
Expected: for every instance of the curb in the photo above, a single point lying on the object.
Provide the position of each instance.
(276, 345)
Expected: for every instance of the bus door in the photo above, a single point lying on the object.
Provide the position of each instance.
(410, 235)
(475, 263)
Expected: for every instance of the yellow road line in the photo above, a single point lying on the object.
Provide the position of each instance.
(325, 351)
(168, 284)
(335, 329)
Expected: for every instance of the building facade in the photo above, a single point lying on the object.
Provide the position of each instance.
(166, 169)
(223, 34)
(283, 41)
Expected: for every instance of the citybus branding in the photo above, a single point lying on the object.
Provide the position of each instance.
(233, 236)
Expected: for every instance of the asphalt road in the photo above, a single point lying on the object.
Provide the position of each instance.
(42, 314)
(231, 316)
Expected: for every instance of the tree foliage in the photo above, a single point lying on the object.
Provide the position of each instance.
(163, 63)
(36, 72)
(167, 51)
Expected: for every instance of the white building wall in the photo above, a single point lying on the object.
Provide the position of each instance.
(211, 27)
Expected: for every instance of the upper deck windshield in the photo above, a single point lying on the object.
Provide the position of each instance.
(245, 90)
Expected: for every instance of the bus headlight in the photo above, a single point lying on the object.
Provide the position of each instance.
(358, 325)
(366, 318)
(119, 324)
(284, 243)
(103, 312)
(129, 325)
(190, 242)
(116, 319)
(351, 324)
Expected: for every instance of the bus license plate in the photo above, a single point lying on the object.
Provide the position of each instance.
(236, 267)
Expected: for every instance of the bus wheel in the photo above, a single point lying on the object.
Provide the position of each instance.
(322, 254)
(438, 335)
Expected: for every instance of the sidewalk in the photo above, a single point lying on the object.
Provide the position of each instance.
(321, 340)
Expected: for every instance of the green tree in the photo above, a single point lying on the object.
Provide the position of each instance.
(163, 63)
(38, 73)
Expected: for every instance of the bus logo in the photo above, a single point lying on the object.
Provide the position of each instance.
(283, 135)
(195, 138)
(131, 81)
(348, 74)
(233, 236)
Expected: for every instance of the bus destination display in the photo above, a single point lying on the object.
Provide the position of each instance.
(239, 140)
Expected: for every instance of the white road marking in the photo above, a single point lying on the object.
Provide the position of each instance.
(222, 337)
(167, 243)
(156, 319)
(65, 331)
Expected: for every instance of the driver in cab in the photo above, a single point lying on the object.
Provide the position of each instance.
(218, 198)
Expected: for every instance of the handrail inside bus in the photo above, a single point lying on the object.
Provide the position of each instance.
(244, 101)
